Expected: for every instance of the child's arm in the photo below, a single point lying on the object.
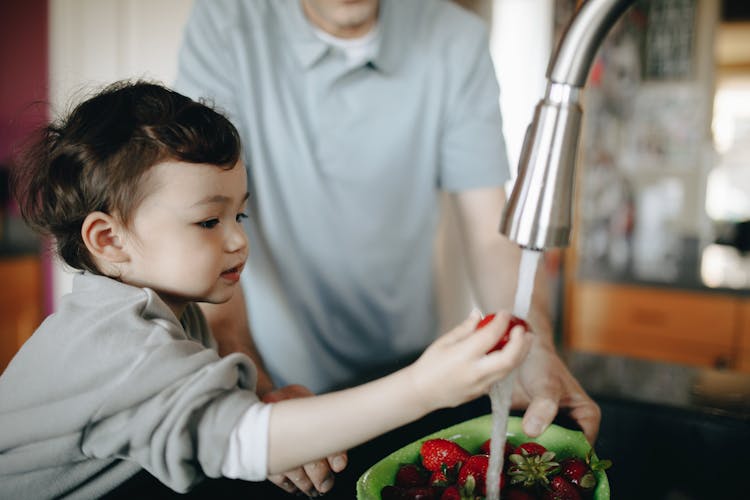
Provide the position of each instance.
(453, 370)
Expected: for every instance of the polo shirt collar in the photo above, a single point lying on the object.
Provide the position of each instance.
(309, 49)
(390, 45)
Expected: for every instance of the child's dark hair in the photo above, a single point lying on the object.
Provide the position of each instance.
(94, 159)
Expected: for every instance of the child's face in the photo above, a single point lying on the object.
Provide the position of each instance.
(186, 240)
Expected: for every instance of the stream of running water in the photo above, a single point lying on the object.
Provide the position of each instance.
(500, 392)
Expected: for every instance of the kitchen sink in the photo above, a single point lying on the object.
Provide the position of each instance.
(662, 452)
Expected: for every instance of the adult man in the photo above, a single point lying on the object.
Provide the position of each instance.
(355, 115)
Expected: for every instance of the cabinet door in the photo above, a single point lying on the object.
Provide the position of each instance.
(652, 323)
(20, 303)
(743, 361)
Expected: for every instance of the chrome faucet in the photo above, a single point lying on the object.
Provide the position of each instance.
(539, 210)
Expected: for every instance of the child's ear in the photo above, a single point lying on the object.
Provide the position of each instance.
(102, 235)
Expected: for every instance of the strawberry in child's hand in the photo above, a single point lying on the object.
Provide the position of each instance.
(484, 321)
(438, 452)
(514, 320)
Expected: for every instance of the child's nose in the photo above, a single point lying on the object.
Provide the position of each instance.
(236, 239)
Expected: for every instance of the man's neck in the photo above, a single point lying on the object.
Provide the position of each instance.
(338, 31)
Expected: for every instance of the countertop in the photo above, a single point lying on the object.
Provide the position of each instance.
(718, 392)
(672, 431)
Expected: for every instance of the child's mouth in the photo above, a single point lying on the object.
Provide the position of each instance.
(232, 274)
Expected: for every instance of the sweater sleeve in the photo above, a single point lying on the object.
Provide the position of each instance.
(181, 433)
(113, 382)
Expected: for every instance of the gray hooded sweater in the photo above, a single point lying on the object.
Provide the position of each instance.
(114, 383)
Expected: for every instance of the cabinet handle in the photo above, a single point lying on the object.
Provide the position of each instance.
(722, 362)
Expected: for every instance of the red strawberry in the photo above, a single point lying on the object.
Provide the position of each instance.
(531, 448)
(514, 320)
(517, 494)
(390, 492)
(445, 476)
(485, 448)
(472, 476)
(438, 452)
(560, 489)
(487, 445)
(484, 321)
(451, 493)
(531, 464)
(578, 472)
(422, 493)
(439, 478)
(413, 493)
(411, 475)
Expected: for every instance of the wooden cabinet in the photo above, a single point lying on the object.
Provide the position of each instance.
(20, 303)
(743, 358)
(696, 328)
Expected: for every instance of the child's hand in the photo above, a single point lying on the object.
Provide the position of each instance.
(457, 368)
(454, 369)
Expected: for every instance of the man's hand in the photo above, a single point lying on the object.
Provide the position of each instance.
(315, 475)
(545, 385)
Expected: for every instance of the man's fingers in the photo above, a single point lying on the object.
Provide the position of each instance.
(282, 482)
(312, 479)
(586, 413)
(338, 462)
(320, 475)
(299, 479)
(540, 413)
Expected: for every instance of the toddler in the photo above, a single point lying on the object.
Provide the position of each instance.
(144, 193)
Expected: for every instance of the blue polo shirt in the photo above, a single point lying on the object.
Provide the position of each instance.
(345, 169)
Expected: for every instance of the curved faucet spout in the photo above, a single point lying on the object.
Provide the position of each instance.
(582, 38)
(539, 210)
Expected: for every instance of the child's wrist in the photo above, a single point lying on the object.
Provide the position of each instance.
(416, 390)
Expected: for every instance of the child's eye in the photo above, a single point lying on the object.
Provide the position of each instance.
(241, 216)
(209, 224)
